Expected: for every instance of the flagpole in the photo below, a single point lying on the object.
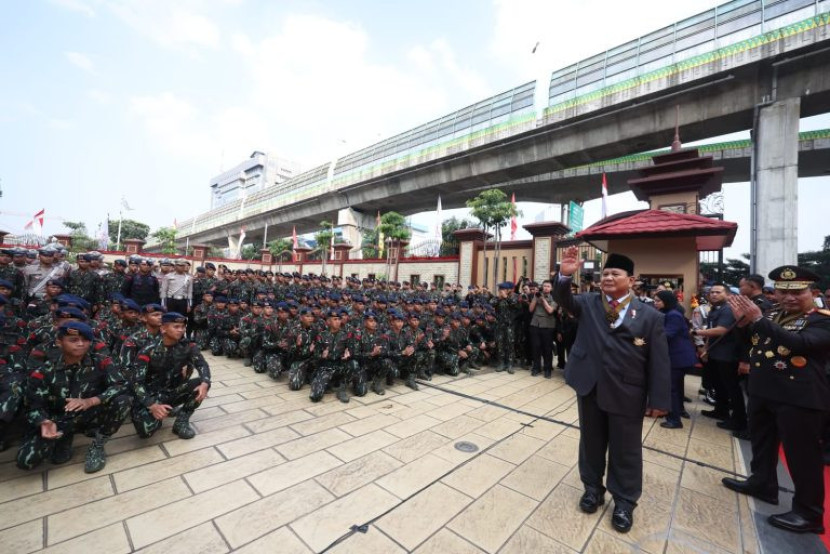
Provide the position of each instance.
(118, 239)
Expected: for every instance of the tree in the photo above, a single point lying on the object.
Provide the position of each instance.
(130, 229)
(819, 262)
(493, 210)
(394, 229)
(167, 239)
(324, 238)
(449, 243)
(76, 228)
(369, 244)
(250, 252)
(278, 247)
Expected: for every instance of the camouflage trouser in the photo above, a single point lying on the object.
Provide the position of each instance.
(225, 346)
(183, 395)
(425, 360)
(249, 345)
(258, 361)
(447, 361)
(202, 338)
(104, 419)
(338, 375)
(376, 370)
(299, 373)
(276, 363)
(506, 341)
(408, 365)
(11, 398)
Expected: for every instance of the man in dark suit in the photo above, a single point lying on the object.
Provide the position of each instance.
(789, 397)
(619, 367)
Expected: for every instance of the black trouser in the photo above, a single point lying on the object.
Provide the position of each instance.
(678, 375)
(729, 398)
(541, 340)
(174, 305)
(618, 435)
(799, 429)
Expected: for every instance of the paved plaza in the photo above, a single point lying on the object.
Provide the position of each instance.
(272, 472)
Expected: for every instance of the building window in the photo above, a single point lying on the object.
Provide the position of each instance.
(514, 269)
(414, 280)
(439, 281)
(524, 266)
(504, 269)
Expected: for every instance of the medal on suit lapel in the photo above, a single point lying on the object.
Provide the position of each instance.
(639, 341)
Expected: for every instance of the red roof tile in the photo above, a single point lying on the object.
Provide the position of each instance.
(658, 223)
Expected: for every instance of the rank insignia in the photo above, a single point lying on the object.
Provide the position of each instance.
(783, 350)
(798, 361)
(755, 339)
(769, 354)
(780, 366)
(639, 341)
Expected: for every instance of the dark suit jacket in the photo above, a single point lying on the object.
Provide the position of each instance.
(629, 365)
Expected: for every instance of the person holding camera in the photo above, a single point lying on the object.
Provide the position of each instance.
(542, 329)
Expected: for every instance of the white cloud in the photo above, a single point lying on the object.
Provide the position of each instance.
(99, 96)
(172, 123)
(170, 24)
(80, 60)
(75, 6)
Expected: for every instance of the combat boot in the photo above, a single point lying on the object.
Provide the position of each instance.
(410, 382)
(510, 369)
(96, 457)
(62, 451)
(247, 362)
(182, 427)
(341, 394)
(377, 386)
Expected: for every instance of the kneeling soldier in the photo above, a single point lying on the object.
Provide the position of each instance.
(70, 393)
(161, 374)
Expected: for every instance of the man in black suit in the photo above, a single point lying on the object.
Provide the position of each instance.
(619, 367)
(789, 397)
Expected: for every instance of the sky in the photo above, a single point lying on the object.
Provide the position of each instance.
(146, 100)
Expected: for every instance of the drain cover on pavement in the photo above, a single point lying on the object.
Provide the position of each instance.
(465, 446)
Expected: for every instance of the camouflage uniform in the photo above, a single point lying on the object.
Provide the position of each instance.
(276, 346)
(505, 339)
(422, 338)
(368, 366)
(446, 356)
(302, 357)
(329, 349)
(86, 284)
(161, 375)
(12, 372)
(201, 331)
(110, 283)
(50, 384)
(223, 341)
(405, 364)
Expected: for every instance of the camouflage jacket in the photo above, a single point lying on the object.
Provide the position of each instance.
(158, 367)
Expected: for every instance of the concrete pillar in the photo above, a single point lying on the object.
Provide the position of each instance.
(352, 223)
(775, 237)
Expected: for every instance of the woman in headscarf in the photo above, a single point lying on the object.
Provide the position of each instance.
(681, 353)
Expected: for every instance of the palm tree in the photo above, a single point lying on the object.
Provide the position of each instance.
(394, 228)
(324, 239)
(493, 210)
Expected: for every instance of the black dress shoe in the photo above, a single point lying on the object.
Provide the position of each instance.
(686, 399)
(590, 501)
(792, 521)
(730, 425)
(744, 487)
(622, 519)
(743, 434)
(671, 425)
(685, 415)
(714, 414)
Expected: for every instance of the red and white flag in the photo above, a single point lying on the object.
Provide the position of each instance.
(36, 223)
(604, 197)
(295, 243)
(514, 226)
